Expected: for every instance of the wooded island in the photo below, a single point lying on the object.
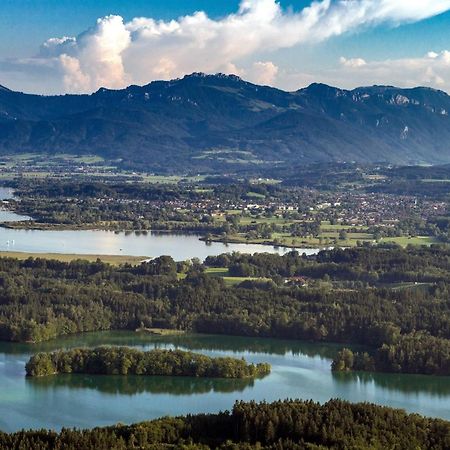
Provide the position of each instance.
(129, 361)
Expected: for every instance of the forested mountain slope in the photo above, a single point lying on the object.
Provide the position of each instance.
(222, 123)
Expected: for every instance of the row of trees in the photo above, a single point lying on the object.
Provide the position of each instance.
(416, 353)
(372, 264)
(129, 361)
(289, 425)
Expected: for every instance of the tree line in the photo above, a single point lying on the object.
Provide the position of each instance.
(289, 425)
(130, 361)
(374, 265)
(416, 353)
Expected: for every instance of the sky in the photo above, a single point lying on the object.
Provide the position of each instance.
(62, 46)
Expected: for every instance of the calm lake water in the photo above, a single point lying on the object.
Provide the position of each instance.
(5, 215)
(179, 246)
(100, 242)
(299, 370)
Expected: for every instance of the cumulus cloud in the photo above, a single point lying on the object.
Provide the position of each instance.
(114, 53)
(94, 58)
(433, 69)
(262, 72)
(352, 62)
(430, 70)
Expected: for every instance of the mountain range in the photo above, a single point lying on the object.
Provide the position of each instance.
(223, 123)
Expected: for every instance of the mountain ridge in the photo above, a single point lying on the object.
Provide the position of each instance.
(204, 122)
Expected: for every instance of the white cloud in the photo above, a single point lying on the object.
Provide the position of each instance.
(55, 46)
(431, 70)
(94, 59)
(114, 53)
(73, 74)
(352, 62)
(263, 73)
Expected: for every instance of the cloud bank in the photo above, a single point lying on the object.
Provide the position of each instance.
(431, 70)
(114, 53)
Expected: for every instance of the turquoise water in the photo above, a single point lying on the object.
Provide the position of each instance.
(299, 370)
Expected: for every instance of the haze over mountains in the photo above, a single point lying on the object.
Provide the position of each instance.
(219, 122)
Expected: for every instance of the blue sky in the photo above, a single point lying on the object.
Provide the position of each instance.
(360, 54)
(37, 20)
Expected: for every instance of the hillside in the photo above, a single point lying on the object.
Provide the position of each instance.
(222, 123)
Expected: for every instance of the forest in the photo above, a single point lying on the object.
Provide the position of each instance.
(288, 425)
(371, 296)
(416, 353)
(129, 361)
(366, 265)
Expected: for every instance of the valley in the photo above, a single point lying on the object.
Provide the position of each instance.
(224, 225)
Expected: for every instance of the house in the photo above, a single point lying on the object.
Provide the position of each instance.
(296, 281)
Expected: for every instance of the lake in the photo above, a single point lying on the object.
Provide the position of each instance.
(5, 215)
(299, 370)
(100, 242)
(179, 246)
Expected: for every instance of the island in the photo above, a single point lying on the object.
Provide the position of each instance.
(130, 361)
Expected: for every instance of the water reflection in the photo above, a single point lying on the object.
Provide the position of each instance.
(132, 385)
(274, 351)
(237, 344)
(5, 214)
(193, 342)
(299, 370)
(408, 384)
(100, 242)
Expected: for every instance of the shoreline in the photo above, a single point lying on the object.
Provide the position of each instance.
(200, 234)
(267, 243)
(68, 257)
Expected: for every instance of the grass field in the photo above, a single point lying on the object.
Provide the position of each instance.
(417, 240)
(65, 257)
(160, 331)
(247, 220)
(327, 226)
(229, 281)
(408, 285)
(329, 234)
(170, 179)
(217, 271)
(327, 239)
